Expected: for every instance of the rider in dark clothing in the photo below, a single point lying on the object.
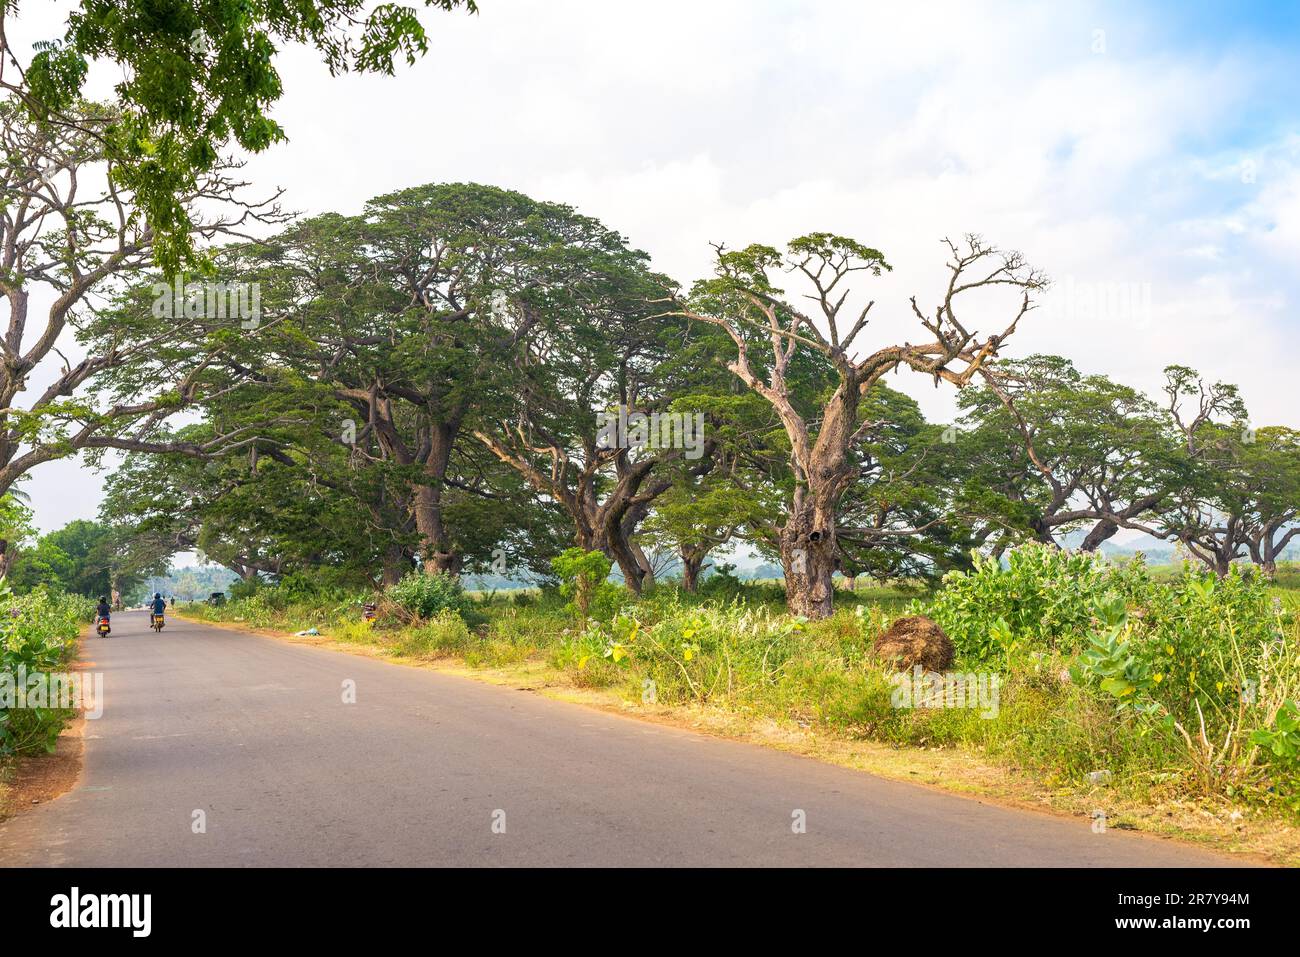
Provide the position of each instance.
(158, 606)
(103, 610)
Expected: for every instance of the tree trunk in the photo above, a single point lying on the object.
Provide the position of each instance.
(437, 555)
(395, 565)
(633, 573)
(647, 570)
(808, 562)
(692, 563)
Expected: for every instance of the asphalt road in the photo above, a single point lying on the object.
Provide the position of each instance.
(429, 769)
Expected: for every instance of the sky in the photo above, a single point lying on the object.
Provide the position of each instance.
(1145, 155)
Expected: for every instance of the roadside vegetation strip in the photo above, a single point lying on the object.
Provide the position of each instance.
(39, 632)
(39, 635)
(1107, 688)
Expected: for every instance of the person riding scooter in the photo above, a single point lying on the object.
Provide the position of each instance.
(157, 607)
(102, 614)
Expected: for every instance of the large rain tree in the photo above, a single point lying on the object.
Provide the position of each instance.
(85, 363)
(1238, 495)
(744, 297)
(595, 357)
(393, 333)
(1054, 453)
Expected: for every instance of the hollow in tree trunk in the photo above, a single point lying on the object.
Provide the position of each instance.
(808, 562)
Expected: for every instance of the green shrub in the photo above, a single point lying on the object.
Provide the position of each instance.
(722, 584)
(428, 596)
(245, 588)
(1279, 742)
(584, 577)
(1043, 598)
(38, 635)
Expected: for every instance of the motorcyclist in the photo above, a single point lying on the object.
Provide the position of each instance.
(104, 609)
(157, 607)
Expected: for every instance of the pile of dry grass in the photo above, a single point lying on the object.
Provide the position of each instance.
(915, 640)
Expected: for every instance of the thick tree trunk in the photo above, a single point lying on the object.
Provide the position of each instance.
(1215, 557)
(395, 565)
(647, 570)
(808, 561)
(437, 555)
(692, 563)
(633, 574)
(593, 537)
(1265, 547)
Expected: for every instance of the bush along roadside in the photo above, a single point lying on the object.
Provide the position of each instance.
(1067, 668)
(38, 638)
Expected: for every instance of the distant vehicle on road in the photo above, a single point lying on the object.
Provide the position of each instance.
(217, 599)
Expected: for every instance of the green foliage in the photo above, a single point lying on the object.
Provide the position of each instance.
(722, 584)
(428, 596)
(444, 633)
(15, 520)
(1281, 739)
(1042, 598)
(583, 576)
(200, 74)
(244, 588)
(38, 633)
(1111, 661)
(77, 558)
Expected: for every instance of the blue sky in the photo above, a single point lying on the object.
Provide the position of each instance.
(1163, 161)
(1189, 24)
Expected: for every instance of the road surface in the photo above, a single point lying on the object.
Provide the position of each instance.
(250, 737)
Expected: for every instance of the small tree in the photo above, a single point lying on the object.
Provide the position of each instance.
(582, 573)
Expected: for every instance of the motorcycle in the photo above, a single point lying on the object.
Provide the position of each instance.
(156, 623)
(102, 628)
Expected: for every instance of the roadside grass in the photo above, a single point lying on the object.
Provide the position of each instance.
(734, 654)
